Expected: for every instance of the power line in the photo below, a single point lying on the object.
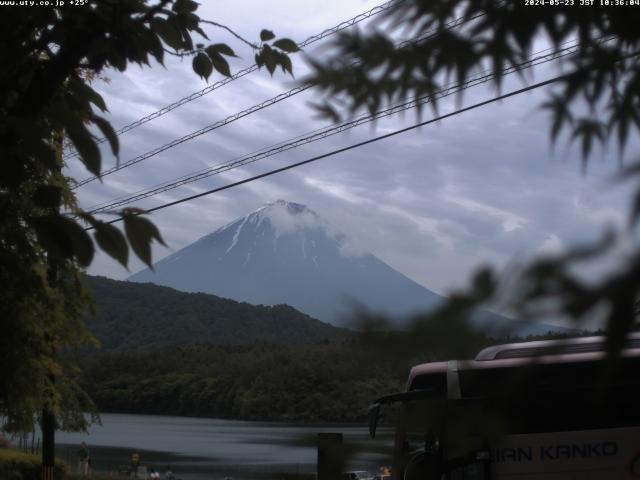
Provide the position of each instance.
(246, 71)
(267, 103)
(350, 147)
(255, 108)
(197, 133)
(325, 132)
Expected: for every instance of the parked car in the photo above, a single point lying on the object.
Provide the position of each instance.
(357, 475)
(384, 476)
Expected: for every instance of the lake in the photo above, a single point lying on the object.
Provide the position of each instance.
(204, 448)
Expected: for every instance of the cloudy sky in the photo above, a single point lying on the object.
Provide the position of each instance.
(435, 203)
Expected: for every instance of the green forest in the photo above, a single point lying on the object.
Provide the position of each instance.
(131, 315)
(168, 352)
(174, 353)
(310, 383)
(333, 382)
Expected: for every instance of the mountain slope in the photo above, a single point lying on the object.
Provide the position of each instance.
(284, 253)
(132, 315)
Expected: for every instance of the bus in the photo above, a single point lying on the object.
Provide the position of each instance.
(553, 410)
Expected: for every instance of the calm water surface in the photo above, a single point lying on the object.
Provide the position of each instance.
(203, 448)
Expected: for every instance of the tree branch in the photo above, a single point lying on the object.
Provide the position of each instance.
(153, 10)
(179, 54)
(242, 39)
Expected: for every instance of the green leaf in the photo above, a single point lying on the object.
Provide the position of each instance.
(185, 6)
(259, 58)
(168, 32)
(221, 48)
(285, 63)
(588, 130)
(84, 90)
(187, 41)
(483, 283)
(153, 44)
(118, 61)
(286, 44)
(326, 111)
(47, 196)
(108, 132)
(112, 241)
(202, 65)
(51, 237)
(82, 245)
(140, 233)
(221, 65)
(45, 154)
(85, 144)
(266, 35)
(269, 58)
(96, 99)
(87, 217)
(186, 21)
(63, 238)
(560, 113)
(201, 32)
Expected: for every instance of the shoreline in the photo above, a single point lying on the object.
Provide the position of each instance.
(107, 460)
(199, 448)
(281, 423)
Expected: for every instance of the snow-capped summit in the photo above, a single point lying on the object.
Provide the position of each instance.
(285, 217)
(286, 253)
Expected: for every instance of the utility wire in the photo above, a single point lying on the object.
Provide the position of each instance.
(325, 132)
(197, 133)
(345, 149)
(246, 71)
(267, 103)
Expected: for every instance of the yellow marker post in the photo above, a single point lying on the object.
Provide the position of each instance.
(47, 472)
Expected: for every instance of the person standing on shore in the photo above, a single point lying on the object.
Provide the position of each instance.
(83, 460)
(135, 462)
(168, 475)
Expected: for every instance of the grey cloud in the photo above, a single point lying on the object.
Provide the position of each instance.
(433, 203)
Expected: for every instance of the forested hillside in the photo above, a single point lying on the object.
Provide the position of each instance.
(332, 382)
(260, 382)
(174, 353)
(136, 315)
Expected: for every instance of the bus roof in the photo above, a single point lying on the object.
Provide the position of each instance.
(550, 347)
(549, 352)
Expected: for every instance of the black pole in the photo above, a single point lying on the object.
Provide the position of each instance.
(48, 417)
(330, 456)
(48, 443)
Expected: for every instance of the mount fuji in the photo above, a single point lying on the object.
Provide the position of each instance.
(285, 253)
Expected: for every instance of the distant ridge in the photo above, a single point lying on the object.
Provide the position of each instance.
(134, 315)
